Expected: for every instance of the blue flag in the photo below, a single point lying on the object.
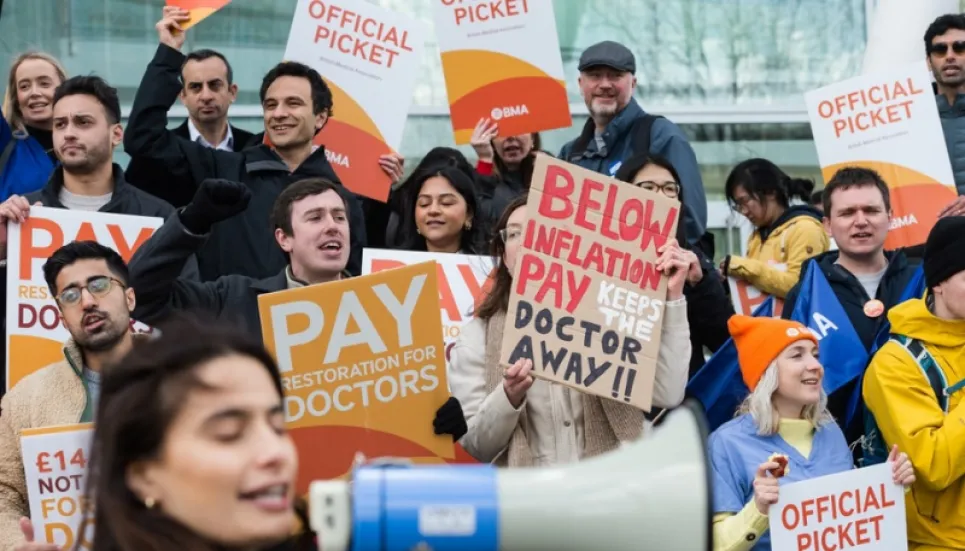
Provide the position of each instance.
(719, 386)
(914, 289)
(842, 353)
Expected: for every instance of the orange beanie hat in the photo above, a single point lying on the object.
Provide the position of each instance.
(759, 341)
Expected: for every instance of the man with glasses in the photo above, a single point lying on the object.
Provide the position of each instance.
(89, 283)
(945, 49)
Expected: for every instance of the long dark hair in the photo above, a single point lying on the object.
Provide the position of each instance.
(497, 300)
(435, 156)
(525, 166)
(140, 398)
(636, 163)
(472, 240)
(761, 178)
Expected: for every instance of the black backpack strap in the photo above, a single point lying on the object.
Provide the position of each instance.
(928, 365)
(641, 132)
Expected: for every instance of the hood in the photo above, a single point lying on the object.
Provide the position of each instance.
(913, 319)
(792, 212)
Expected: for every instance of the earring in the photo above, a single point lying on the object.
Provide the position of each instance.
(468, 225)
(150, 502)
(418, 231)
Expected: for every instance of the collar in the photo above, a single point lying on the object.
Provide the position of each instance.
(51, 191)
(586, 145)
(227, 144)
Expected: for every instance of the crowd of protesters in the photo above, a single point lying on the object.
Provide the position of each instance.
(190, 449)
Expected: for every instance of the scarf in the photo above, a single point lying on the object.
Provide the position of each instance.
(606, 423)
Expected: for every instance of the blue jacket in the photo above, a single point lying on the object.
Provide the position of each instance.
(666, 140)
(28, 167)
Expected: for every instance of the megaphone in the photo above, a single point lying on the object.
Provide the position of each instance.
(650, 494)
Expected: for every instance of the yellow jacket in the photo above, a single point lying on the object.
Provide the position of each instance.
(907, 412)
(796, 236)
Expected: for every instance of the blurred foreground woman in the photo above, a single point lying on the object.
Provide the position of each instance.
(190, 451)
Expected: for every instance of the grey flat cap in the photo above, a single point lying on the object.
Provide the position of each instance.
(609, 54)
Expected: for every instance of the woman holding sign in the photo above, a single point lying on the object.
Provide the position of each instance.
(783, 431)
(441, 212)
(190, 449)
(517, 421)
(708, 307)
(787, 230)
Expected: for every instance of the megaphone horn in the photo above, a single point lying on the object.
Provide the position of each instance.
(654, 493)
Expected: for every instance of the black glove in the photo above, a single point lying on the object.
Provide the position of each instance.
(450, 419)
(215, 200)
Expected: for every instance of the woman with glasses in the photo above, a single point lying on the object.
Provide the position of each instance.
(708, 307)
(441, 213)
(788, 231)
(516, 421)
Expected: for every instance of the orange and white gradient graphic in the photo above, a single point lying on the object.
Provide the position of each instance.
(200, 9)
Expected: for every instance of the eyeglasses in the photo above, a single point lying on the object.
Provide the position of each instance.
(942, 47)
(669, 189)
(96, 286)
(740, 203)
(510, 235)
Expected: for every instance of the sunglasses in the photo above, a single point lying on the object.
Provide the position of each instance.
(942, 48)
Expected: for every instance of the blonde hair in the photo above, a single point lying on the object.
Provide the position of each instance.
(760, 405)
(11, 109)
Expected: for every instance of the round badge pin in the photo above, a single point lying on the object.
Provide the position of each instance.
(874, 308)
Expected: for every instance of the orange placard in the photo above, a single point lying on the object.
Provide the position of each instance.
(363, 368)
(200, 9)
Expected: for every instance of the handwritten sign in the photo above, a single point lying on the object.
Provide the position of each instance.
(861, 509)
(366, 54)
(55, 469)
(363, 368)
(463, 281)
(501, 59)
(588, 301)
(35, 335)
(888, 121)
(199, 9)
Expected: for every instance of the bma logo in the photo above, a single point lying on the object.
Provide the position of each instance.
(903, 221)
(337, 158)
(507, 112)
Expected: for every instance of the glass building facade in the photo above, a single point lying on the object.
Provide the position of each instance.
(731, 73)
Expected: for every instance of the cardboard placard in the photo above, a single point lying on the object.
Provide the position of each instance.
(888, 121)
(362, 367)
(588, 301)
(35, 334)
(366, 54)
(55, 469)
(860, 509)
(463, 281)
(502, 60)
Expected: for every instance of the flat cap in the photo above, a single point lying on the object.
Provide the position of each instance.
(608, 54)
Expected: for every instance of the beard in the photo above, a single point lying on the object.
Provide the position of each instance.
(104, 338)
(87, 163)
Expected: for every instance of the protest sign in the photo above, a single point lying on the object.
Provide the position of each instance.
(746, 298)
(463, 281)
(55, 470)
(200, 9)
(35, 335)
(861, 509)
(587, 302)
(362, 367)
(366, 54)
(888, 121)
(501, 60)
